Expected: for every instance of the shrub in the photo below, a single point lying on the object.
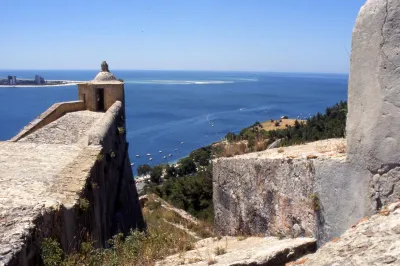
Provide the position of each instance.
(51, 252)
(186, 166)
(121, 130)
(155, 174)
(84, 204)
(219, 251)
(144, 169)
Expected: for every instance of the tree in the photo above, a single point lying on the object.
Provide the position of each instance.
(171, 171)
(156, 173)
(143, 169)
(186, 166)
(251, 142)
(201, 156)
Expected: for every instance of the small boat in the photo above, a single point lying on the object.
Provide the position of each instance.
(165, 157)
(160, 151)
(132, 164)
(182, 142)
(137, 155)
(148, 154)
(151, 159)
(170, 155)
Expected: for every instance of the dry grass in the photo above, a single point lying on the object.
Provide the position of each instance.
(339, 147)
(219, 251)
(283, 123)
(161, 240)
(211, 261)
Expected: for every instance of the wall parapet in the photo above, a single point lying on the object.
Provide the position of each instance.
(56, 111)
(108, 125)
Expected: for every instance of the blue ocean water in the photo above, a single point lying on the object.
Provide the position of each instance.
(166, 108)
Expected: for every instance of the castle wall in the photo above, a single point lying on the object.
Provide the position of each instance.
(286, 196)
(52, 114)
(92, 198)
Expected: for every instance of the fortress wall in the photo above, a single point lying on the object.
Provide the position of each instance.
(52, 114)
(92, 199)
(288, 197)
(120, 207)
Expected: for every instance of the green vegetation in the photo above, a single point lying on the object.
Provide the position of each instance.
(121, 130)
(143, 169)
(84, 204)
(51, 252)
(332, 124)
(188, 185)
(156, 173)
(190, 193)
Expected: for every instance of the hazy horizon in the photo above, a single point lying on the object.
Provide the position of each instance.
(181, 70)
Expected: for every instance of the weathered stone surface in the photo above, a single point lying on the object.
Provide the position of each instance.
(36, 186)
(69, 129)
(374, 111)
(286, 193)
(373, 241)
(57, 184)
(248, 251)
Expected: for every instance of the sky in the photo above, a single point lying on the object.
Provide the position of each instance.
(221, 35)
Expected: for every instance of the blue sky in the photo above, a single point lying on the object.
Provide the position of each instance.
(253, 35)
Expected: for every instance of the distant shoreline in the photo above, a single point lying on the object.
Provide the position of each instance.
(68, 83)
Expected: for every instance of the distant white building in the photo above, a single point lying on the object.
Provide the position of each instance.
(12, 80)
(39, 79)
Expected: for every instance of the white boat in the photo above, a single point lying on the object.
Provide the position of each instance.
(170, 155)
(132, 164)
(165, 157)
(137, 155)
(151, 159)
(160, 151)
(148, 154)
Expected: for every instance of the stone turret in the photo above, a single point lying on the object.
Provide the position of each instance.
(102, 92)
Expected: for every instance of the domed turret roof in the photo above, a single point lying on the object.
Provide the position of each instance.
(104, 74)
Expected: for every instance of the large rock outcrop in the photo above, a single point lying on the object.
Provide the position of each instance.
(231, 251)
(374, 99)
(374, 110)
(373, 241)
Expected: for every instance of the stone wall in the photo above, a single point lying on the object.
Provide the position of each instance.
(92, 198)
(53, 113)
(291, 194)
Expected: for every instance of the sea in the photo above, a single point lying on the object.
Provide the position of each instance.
(175, 112)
